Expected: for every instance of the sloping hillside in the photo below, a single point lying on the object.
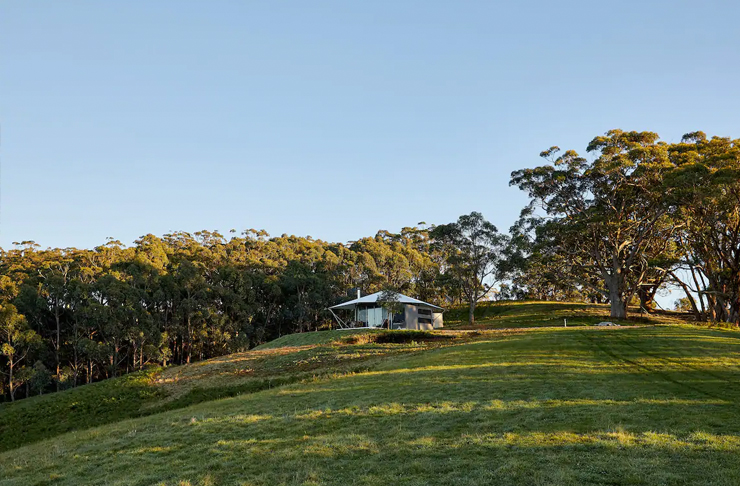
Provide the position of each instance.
(289, 359)
(640, 405)
(157, 390)
(548, 405)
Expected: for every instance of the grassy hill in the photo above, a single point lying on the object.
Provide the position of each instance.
(497, 315)
(550, 405)
(156, 390)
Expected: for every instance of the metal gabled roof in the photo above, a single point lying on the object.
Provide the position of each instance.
(373, 298)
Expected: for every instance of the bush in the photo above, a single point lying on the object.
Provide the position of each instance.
(407, 336)
(392, 337)
(359, 338)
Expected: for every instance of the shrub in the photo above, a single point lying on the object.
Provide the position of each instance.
(407, 336)
(359, 338)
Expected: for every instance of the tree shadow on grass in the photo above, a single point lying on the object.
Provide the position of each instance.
(557, 409)
(450, 443)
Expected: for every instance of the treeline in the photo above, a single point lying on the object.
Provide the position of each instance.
(72, 316)
(638, 216)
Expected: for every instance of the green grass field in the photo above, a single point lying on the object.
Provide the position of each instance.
(156, 390)
(641, 405)
(498, 315)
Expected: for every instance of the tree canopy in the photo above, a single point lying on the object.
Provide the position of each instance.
(473, 251)
(641, 214)
(85, 315)
(635, 215)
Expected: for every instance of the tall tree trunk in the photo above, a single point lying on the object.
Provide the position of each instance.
(734, 316)
(618, 308)
(700, 315)
(58, 343)
(190, 341)
(699, 289)
(720, 306)
(114, 359)
(471, 313)
(647, 298)
(11, 385)
(616, 298)
(76, 366)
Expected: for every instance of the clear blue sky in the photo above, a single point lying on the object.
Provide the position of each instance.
(330, 119)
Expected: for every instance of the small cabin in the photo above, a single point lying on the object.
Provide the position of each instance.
(368, 312)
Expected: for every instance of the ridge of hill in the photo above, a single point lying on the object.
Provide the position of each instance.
(324, 360)
(517, 314)
(558, 406)
(289, 359)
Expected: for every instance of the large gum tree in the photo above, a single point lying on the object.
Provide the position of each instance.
(706, 185)
(473, 252)
(604, 220)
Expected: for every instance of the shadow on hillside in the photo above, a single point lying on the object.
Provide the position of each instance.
(634, 406)
(665, 441)
(153, 391)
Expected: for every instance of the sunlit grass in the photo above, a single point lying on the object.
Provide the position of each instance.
(156, 390)
(313, 338)
(630, 406)
(504, 314)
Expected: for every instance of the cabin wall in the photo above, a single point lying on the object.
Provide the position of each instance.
(425, 318)
(421, 319)
(410, 316)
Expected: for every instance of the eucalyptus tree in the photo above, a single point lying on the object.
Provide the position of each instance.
(424, 262)
(531, 265)
(16, 342)
(183, 296)
(604, 219)
(707, 197)
(390, 300)
(54, 278)
(473, 255)
(385, 262)
(191, 307)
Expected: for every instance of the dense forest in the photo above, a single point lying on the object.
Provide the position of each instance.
(92, 314)
(638, 216)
